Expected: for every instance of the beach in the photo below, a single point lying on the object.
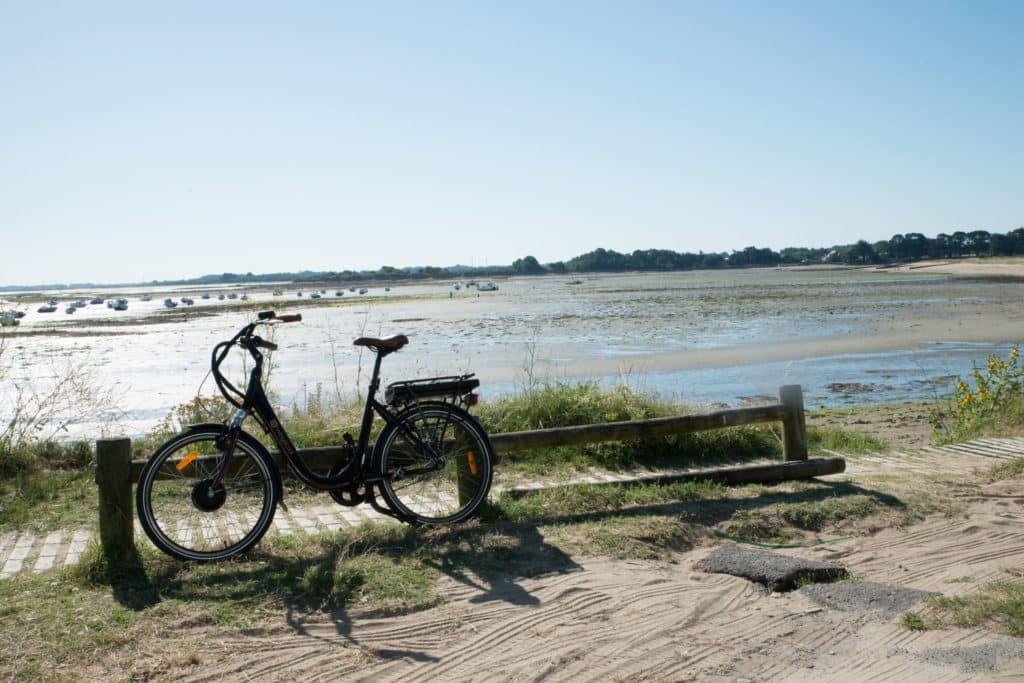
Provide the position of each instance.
(850, 336)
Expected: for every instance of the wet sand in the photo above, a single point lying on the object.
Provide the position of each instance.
(696, 337)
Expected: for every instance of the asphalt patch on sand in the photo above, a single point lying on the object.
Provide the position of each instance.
(878, 600)
(974, 659)
(775, 572)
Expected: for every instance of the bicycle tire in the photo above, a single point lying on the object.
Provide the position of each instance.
(191, 523)
(445, 492)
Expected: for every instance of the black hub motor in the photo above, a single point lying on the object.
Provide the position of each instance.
(207, 497)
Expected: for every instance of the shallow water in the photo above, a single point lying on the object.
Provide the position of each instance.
(635, 328)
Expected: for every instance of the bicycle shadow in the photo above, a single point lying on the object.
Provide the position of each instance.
(493, 560)
(490, 563)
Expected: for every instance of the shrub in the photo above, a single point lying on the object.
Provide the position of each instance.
(991, 399)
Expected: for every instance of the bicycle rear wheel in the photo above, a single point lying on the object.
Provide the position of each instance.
(190, 519)
(436, 464)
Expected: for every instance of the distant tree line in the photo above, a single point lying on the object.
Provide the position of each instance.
(911, 246)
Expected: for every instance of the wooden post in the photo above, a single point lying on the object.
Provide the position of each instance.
(794, 429)
(114, 477)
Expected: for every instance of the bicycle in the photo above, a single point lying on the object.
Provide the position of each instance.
(211, 492)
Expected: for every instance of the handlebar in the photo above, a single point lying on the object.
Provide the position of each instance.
(250, 343)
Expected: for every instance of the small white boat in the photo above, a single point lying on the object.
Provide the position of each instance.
(46, 308)
(120, 305)
(96, 300)
(206, 295)
(363, 290)
(487, 287)
(146, 297)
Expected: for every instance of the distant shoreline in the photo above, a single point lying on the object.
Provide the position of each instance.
(984, 267)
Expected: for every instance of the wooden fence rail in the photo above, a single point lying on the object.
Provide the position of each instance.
(116, 472)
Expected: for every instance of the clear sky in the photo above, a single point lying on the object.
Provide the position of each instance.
(160, 140)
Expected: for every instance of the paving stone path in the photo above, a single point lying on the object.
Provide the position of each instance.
(27, 551)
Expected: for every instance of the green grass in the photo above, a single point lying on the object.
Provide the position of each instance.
(820, 439)
(565, 404)
(45, 486)
(998, 605)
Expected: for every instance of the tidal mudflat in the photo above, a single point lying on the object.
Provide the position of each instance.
(719, 338)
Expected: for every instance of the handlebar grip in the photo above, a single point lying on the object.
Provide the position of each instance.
(293, 318)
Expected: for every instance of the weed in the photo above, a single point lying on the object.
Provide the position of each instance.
(1011, 469)
(844, 441)
(999, 605)
(913, 621)
(995, 400)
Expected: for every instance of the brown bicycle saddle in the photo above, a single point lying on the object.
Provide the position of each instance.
(383, 345)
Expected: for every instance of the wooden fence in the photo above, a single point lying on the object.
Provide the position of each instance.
(116, 471)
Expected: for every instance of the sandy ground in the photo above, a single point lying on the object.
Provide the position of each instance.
(599, 619)
(901, 426)
(969, 267)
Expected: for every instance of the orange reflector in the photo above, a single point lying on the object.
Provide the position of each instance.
(186, 460)
(472, 462)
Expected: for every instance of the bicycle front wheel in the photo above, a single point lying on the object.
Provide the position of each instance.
(436, 464)
(187, 516)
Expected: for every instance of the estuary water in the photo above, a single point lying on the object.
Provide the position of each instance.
(698, 338)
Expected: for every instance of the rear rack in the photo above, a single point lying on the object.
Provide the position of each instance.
(412, 390)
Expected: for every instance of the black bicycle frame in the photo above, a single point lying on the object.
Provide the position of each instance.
(255, 402)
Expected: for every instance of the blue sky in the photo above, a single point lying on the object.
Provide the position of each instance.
(158, 140)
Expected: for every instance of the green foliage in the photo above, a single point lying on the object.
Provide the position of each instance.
(199, 410)
(46, 499)
(562, 404)
(815, 516)
(843, 441)
(999, 604)
(913, 621)
(994, 401)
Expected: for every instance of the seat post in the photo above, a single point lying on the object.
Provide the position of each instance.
(364, 428)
